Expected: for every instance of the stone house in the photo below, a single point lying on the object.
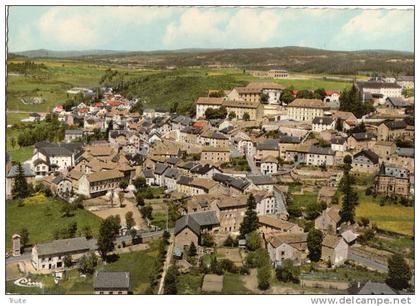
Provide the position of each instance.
(255, 110)
(384, 149)
(272, 224)
(306, 109)
(366, 161)
(393, 180)
(329, 219)
(112, 283)
(334, 250)
(98, 183)
(189, 227)
(49, 256)
(287, 246)
(392, 130)
(230, 212)
(215, 155)
(268, 148)
(358, 141)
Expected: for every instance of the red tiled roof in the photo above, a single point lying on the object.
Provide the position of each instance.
(330, 92)
(199, 124)
(114, 103)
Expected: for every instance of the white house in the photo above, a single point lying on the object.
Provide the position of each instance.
(320, 124)
(332, 98)
(50, 256)
(204, 103)
(269, 165)
(338, 144)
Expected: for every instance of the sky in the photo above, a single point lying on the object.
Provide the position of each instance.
(168, 28)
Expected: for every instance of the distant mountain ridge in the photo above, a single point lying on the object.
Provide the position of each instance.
(45, 53)
(292, 58)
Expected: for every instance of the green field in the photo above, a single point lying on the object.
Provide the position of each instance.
(233, 284)
(42, 216)
(189, 283)
(154, 87)
(62, 75)
(141, 265)
(303, 200)
(390, 217)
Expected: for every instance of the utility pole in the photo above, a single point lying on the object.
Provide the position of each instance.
(167, 216)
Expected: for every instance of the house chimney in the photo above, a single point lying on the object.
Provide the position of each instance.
(16, 245)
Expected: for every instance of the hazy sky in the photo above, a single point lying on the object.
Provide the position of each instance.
(158, 28)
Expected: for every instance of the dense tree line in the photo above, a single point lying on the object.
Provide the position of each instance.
(351, 101)
(51, 130)
(27, 67)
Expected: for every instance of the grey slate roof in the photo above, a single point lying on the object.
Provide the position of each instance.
(323, 120)
(406, 152)
(112, 280)
(26, 170)
(261, 179)
(58, 179)
(369, 154)
(338, 140)
(148, 173)
(407, 78)
(371, 288)
(171, 173)
(160, 168)
(396, 125)
(363, 136)
(184, 180)
(397, 102)
(196, 221)
(201, 169)
(73, 132)
(205, 218)
(321, 150)
(62, 149)
(289, 139)
(230, 181)
(78, 244)
(269, 144)
(376, 85)
(187, 221)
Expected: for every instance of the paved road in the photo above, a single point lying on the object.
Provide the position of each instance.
(366, 261)
(167, 263)
(25, 256)
(252, 165)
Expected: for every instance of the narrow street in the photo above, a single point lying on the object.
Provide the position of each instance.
(252, 165)
(166, 263)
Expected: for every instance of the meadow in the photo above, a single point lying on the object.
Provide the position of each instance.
(42, 216)
(391, 217)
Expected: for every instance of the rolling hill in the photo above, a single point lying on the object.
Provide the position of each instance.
(296, 59)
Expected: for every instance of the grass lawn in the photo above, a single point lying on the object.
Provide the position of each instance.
(141, 265)
(233, 284)
(21, 154)
(190, 283)
(42, 216)
(71, 284)
(304, 199)
(17, 154)
(395, 244)
(13, 118)
(391, 217)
